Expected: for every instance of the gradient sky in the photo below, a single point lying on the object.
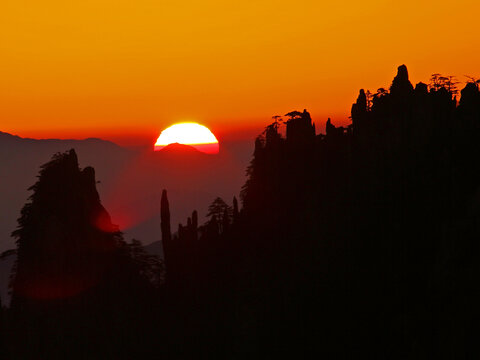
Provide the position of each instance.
(124, 70)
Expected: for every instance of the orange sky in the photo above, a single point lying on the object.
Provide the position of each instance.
(117, 69)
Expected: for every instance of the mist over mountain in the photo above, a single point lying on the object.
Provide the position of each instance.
(130, 180)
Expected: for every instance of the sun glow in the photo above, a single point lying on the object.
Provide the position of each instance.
(189, 133)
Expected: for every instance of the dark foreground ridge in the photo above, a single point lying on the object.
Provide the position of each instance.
(361, 242)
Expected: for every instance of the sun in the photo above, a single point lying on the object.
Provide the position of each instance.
(189, 133)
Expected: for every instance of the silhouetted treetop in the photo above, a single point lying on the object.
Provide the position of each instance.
(149, 266)
(294, 114)
(218, 208)
(300, 127)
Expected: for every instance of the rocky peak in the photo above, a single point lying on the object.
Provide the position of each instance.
(401, 85)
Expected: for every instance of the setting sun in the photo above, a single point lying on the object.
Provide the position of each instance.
(193, 134)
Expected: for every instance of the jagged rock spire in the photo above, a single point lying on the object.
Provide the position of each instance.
(165, 218)
(329, 127)
(359, 111)
(401, 85)
(402, 73)
(360, 107)
(64, 236)
(235, 209)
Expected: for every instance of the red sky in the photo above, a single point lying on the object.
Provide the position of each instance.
(124, 70)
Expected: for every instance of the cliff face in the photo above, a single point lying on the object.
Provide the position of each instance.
(66, 240)
(22, 157)
(77, 287)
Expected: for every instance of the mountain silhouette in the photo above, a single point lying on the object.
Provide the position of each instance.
(72, 263)
(65, 214)
(361, 242)
(129, 178)
(176, 147)
(21, 158)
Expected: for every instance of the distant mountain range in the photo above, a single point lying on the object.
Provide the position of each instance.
(131, 180)
(179, 148)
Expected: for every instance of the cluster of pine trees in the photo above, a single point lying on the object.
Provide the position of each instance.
(363, 241)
